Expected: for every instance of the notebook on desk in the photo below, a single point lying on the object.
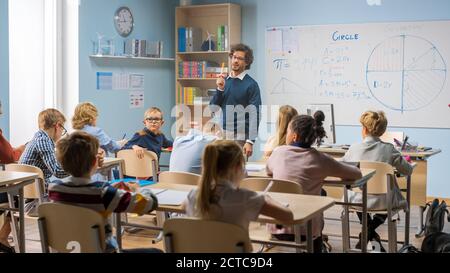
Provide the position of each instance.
(254, 167)
(170, 197)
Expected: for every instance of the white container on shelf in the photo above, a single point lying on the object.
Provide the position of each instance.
(185, 2)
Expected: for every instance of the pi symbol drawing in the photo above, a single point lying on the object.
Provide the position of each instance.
(374, 2)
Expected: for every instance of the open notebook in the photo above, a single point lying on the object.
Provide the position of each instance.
(170, 197)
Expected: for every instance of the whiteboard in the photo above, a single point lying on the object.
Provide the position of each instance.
(399, 68)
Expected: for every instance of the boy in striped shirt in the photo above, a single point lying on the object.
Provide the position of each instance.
(77, 154)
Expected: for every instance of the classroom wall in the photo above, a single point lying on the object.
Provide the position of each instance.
(4, 64)
(259, 14)
(154, 20)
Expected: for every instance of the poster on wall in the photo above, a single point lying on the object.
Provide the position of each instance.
(120, 81)
(136, 99)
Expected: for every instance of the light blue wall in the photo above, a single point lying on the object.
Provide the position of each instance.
(154, 20)
(259, 14)
(4, 64)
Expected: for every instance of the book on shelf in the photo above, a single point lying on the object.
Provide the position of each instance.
(194, 39)
(222, 38)
(196, 69)
(189, 39)
(192, 96)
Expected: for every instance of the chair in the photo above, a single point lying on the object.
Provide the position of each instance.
(188, 235)
(174, 178)
(382, 183)
(70, 229)
(32, 191)
(179, 178)
(135, 167)
(279, 185)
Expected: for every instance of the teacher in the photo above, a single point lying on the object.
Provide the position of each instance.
(239, 99)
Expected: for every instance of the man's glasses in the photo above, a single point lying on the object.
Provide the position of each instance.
(153, 120)
(242, 59)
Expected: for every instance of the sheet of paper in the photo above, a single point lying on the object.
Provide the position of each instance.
(275, 40)
(136, 99)
(255, 167)
(104, 80)
(172, 197)
(121, 81)
(136, 82)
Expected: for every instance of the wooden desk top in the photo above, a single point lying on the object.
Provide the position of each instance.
(329, 181)
(304, 207)
(8, 178)
(419, 154)
(109, 161)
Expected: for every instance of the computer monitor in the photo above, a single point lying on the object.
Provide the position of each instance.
(328, 124)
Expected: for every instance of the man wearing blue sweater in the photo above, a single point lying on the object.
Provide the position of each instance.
(239, 99)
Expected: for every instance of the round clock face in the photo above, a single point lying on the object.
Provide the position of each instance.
(123, 21)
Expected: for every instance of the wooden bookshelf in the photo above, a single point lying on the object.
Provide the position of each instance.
(208, 18)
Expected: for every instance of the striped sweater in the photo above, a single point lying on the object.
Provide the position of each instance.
(103, 198)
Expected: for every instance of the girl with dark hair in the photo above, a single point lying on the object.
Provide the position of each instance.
(298, 161)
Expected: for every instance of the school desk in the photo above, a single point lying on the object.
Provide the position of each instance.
(337, 182)
(418, 179)
(12, 183)
(304, 208)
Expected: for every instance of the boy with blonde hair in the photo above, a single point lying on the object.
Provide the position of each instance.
(150, 138)
(85, 119)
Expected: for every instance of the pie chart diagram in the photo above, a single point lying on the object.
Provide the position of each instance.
(406, 73)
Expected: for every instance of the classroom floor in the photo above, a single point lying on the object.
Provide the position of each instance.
(143, 238)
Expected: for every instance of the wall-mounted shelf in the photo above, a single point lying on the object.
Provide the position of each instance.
(130, 58)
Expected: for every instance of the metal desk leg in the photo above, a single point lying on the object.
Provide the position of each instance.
(14, 227)
(309, 237)
(21, 222)
(298, 237)
(345, 221)
(364, 220)
(408, 211)
(118, 229)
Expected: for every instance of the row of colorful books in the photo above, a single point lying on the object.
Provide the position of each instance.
(190, 96)
(200, 70)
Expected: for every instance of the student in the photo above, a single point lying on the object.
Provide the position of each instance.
(150, 138)
(77, 154)
(40, 151)
(285, 115)
(373, 149)
(85, 119)
(219, 197)
(300, 163)
(8, 155)
(187, 150)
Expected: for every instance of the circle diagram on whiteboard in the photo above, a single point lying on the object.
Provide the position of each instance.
(406, 73)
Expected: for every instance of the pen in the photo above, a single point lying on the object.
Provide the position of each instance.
(221, 69)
